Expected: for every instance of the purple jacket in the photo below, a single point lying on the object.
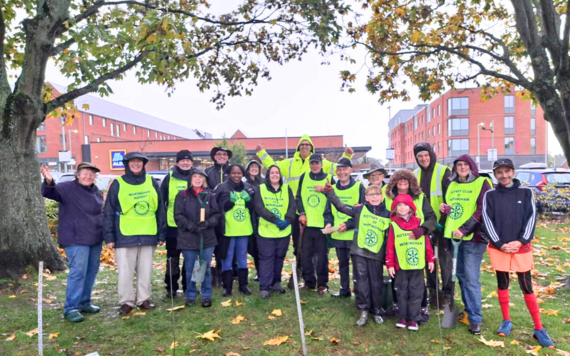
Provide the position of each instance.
(80, 212)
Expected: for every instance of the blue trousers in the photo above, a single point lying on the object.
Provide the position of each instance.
(469, 259)
(238, 246)
(190, 257)
(83, 267)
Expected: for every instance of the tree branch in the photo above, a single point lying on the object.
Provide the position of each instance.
(91, 87)
(564, 57)
(57, 49)
(551, 25)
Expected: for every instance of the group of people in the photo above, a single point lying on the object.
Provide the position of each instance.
(228, 211)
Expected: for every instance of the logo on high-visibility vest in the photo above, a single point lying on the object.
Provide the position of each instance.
(371, 238)
(276, 212)
(142, 208)
(313, 201)
(456, 211)
(412, 256)
(239, 215)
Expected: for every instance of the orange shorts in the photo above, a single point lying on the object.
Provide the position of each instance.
(510, 262)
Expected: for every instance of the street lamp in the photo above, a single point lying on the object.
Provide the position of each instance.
(479, 145)
(70, 131)
(492, 136)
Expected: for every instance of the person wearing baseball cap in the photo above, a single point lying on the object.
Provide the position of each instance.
(311, 206)
(351, 193)
(176, 181)
(509, 220)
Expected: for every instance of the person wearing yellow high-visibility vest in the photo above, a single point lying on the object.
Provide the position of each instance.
(406, 257)
(404, 182)
(463, 207)
(292, 169)
(433, 178)
(350, 193)
(311, 205)
(275, 206)
(174, 182)
(134, 223)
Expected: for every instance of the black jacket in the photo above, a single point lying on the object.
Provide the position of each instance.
(298, 199)
(509, 214)
(187, 216)
(261, 211)
(222, 196)
(354, 211)
(329, 218)
(165, 186)
(112, 214)
(218, 174)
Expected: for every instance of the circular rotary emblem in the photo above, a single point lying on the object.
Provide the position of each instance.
(371, 238)
(142, 208)
(239, 215)
(456, 211)
(276, 212)
(412, 256)
(340, 215)
(313, 201)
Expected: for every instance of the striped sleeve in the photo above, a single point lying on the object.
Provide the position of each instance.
(529, 216)
(488, 224)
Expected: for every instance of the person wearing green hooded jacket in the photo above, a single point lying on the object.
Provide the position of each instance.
(293, 168)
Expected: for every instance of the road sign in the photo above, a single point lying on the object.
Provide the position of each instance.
(389, 153)
(492, 154)
(64, 156)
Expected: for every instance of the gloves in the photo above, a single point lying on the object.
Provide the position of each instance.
(234, 197)
(282, 224)
(439, 227)
(418, 232)
(204, 225)
(245, 196)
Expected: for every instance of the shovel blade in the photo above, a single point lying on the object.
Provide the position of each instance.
(450, 316)
(199, 272)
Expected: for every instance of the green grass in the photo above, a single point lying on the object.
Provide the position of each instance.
(108, 334)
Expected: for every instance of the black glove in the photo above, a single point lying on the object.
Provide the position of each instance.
(204, 225)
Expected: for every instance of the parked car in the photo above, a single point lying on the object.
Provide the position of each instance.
(103, 181)
(539, 178)
(158, 176)
(488, 173)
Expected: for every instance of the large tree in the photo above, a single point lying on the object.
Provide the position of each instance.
(519, 45)
(94, 41)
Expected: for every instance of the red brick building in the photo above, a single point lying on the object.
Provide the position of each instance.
(451, 124)
(106, 128)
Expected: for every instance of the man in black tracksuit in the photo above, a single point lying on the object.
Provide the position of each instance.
(218, 173)
(174, 182)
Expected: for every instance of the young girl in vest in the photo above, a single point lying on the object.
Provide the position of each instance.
(367, 249)
(406, 257)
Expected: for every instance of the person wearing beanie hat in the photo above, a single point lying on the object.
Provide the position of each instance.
(406, 257)
(134, 223)
(433, 179)
(174, 182)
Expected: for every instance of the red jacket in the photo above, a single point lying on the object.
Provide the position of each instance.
(412, 223)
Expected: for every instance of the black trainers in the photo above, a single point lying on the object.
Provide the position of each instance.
(475, 329)
(424, 316)
(206, 303)
(190, 302)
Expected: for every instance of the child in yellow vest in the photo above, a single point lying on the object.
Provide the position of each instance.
(406, 257)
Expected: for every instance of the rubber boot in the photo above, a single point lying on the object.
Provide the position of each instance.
(227, 280)
(242, 277)
(363, 318)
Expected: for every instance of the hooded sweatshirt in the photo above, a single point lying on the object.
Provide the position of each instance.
(425, 181)
(410, 224)
(112, 214)
(473, 225)
(258, 179)
(261, 210)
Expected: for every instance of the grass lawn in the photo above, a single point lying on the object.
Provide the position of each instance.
(151, 334)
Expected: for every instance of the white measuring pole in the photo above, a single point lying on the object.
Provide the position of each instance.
(40, 292)
(299, 311)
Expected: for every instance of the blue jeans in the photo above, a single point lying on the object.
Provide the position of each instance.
(190, 257)
(469, 259)
(238, 245)
(83, 267)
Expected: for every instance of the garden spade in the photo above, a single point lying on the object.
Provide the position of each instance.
(200, 267)
(451, 312)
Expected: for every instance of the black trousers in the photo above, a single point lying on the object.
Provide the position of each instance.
(343, 255)
(296, 232)
(410, 289)
(272, 252)
(369, 283)
(315, 243)
(253, 251)
(424, 298)
(173, 255)
(445, 261)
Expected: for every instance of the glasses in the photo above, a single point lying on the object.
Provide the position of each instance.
(377, 175)
(305, 145)
(374, 194)
(221, 154)
(87, 174)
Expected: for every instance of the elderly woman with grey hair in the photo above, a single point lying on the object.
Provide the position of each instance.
(80, 234)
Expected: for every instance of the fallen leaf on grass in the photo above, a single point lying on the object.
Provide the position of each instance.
(239, 303)
(159, 349)
(534, 351)
(174, 344)
(238, 319)
(12, 297)
(492, 343)
(566, 320)
(210, 335)
(435, 341)
(32, 333)
(271, 317)
(486, 306)
(309, 332)
(53, 335)
(140, 313)
(335, 341)
(232, 354)
(276, 341)
(277, 312)
(562, 352)
(317, 338)
(227, 303)
(11, 338)
(303, 302)
(492, 294)
(175, 308)
(516, 342)
(549, 312)
(126, 317)
(49, 277)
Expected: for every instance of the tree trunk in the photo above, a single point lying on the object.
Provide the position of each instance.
(24, 236)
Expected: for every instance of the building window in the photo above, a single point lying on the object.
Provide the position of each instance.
(458, 147)
(457, 106)
(42, 126)
(509, 145)
(415, 122)
(134, 130)
(428, 133)
(439, 109)
(118, 130)
(438, 147)
(86, 139)
(509, 104)
(168, 137)
(458, 127)
(112, 130)
(533, 126)
(90, 120)
(104, 122)
(509, 125)
(155, 134)
(439, 129)
(532, 108)
(433, 112)
(41, 144)
(532, 146)
(125, 127)
(98, 139)
(148, 133)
